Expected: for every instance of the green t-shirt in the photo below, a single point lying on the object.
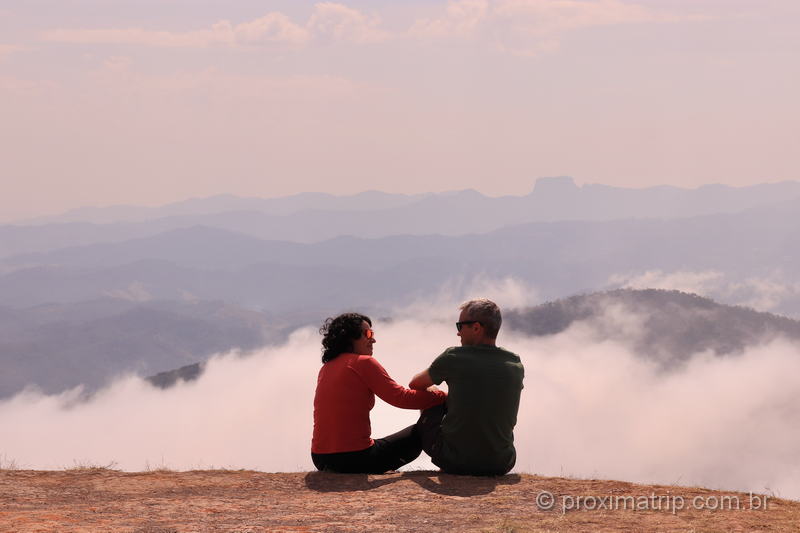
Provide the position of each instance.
(484, 384)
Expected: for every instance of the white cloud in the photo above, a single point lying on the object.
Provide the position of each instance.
(461, 18)
(328, 21)
(136, 36)
(760, 293)
(135, 292)
(341, 23)
(529, 27)
(705, 424)
(518, 26)
(724, 422)
(695, 282)
(507, 292)
(272, 28)
(551, 16)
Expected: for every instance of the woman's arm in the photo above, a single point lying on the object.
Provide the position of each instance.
(388, 390)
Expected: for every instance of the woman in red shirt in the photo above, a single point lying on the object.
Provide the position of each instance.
(346, 387)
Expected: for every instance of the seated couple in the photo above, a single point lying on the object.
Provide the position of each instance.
(468, 431)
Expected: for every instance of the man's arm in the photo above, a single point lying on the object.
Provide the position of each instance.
(421, 381)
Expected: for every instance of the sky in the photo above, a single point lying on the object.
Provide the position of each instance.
(147, 102)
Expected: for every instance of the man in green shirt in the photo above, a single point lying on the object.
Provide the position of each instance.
(473, 433)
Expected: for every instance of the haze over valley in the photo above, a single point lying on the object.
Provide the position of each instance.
(134, 319)
(191, 286)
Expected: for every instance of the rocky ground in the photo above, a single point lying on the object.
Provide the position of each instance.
(98, 500)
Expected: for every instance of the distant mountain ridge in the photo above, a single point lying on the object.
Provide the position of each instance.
(313, 217)
(557, 258)
(596, 200)
(57, 347)
(675, 324)
(228, 202)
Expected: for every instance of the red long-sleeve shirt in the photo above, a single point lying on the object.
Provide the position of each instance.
(346, 389)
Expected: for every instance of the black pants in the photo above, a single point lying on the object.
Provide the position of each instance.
(429, 427)
(388, 453)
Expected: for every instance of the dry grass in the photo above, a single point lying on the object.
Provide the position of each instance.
(81, 467)
(98, 499)
(7, 463)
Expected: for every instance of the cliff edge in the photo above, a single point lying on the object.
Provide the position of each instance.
(96, 499)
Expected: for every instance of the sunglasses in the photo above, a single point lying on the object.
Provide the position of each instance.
(368, 333)
(465, 322)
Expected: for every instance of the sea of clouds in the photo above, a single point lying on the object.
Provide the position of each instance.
(591, 408)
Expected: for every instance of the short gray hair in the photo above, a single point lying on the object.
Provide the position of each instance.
(486, 312)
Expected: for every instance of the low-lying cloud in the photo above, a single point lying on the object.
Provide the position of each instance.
(507, 292)
(589, 409)
(776, 293)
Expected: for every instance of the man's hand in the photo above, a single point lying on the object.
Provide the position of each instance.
(433, 388)
(421, 381)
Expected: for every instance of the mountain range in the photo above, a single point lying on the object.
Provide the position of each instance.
(99, 292)
(57, 347)
(315, 217)
(673, 325)
(557, 258)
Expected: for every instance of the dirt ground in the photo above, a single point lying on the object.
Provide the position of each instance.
(98, 500)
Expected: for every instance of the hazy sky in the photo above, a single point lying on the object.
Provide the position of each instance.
(146, 102)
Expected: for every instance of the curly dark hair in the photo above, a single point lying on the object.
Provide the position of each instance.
(339, 333)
